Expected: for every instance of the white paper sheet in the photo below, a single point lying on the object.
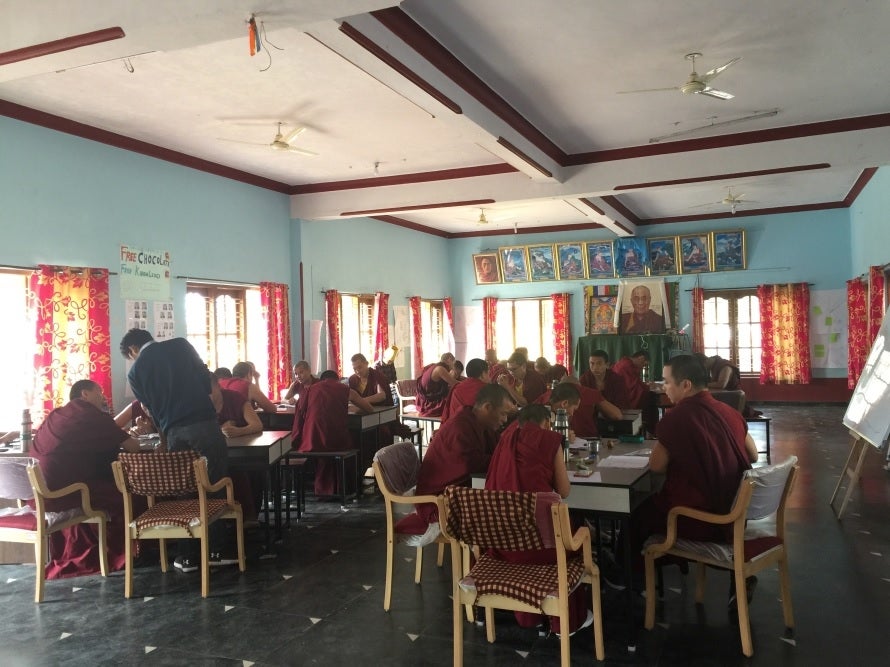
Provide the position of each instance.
(619, 461)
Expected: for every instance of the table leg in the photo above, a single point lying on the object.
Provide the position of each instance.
(629, 591)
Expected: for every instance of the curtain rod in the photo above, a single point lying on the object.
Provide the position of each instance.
(735, 289)
(56, 266)
(216, 281)
(522, 298)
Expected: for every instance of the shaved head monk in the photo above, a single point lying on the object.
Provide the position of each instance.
(302, 379)
(320, 425)
(433, 385)
(464, 393)
(521, 380)
(242, 381)
(459, 449)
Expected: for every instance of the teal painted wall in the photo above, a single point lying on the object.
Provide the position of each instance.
(70, 201)
(870, 224)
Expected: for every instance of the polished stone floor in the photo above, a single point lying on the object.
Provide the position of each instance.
(318, 601)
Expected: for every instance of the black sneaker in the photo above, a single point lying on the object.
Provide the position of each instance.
(218, 559)
(186, 564)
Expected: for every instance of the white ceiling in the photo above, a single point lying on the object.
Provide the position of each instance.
(543, 76)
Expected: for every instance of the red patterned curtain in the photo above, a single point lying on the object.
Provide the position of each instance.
(417, 334)
(489, 322)
(276, 311)
(785, 324)
(562, 330)
(698, 320)
(381, 325)
(73, 338)
(449, 313)
(858, 341)
(332, 306)
(875, 302)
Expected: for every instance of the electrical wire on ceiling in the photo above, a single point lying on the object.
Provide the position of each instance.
(256, 42)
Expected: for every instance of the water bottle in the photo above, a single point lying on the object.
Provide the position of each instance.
(26, 430)
(644, 374)
(561, 426)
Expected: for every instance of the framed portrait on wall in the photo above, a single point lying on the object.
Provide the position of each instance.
(729, 250)
(662, 255)
(600, 259)
(630, 257)
(485, 264)
(540, 262)
(643, 307)
(514, 263)
(602, 314)
(695, 253)
(571, 261)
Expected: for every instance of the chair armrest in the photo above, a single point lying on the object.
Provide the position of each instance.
(223, 483)
(414, 500)
(77, 487)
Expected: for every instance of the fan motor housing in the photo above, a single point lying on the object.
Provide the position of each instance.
(692, 87)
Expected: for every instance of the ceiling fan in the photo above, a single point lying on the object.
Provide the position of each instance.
(281, 142)
(696, 84)
(730, 200)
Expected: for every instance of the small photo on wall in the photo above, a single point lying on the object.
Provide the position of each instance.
(662, 255)
(571, 261)
(515, 263)
(600, 259)
(485, 264)
(540, 259)
(729, 250)
(630, 257)
(602, 314)
(695, 253)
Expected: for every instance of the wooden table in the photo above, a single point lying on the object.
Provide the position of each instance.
(262, 452)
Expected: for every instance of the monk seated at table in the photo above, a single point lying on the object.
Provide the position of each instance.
(237, 417)
(433, 385)
(723, 375)
(529, 457)
(460, 448)
(637, 395)
(320, 425)
(590, 402)
(521, 380)
(303, 377)
(77, 443)
(135, 420)
(243, 381)
(464, 393)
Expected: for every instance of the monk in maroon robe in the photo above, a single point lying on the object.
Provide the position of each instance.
(522, 381)
(77, 443)
(636, 392)
(602, 378)
(375, 387)
(459, 449)
(703, 448)
(582, 421)
(433, 384)
(529, 457)
(320, 425)
(302, 379)
(725, 376)
(464, 393)
(242, 381)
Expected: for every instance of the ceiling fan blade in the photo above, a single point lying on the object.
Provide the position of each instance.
(718, 94)
(301, 151)
(647, 90)
(710, 74)
(238, 141)
(712, 203)
(293, 134)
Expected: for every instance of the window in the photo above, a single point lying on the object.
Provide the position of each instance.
(17, 343)
(525, 323)
(357, 326)
(432, 330)
(732, 327)
(225, 325)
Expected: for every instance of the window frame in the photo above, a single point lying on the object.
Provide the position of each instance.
(432, 330)
(733, 296)
(545, 316)
(364, 309)
(210, 293)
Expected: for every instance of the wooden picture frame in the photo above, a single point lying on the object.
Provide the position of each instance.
(487, 268)
(630, 257)
(730, 251)
(514, 263)
(541, 262)
(600, 259)
(695, 253)
(662, 256)
(571, 264)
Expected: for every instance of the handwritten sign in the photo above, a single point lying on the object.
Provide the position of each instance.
(145, 274)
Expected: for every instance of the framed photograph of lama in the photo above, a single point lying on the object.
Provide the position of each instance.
(662, 256)
(540, 262)
(695, 253)
(630, 257)
(485, 264)
(514, 262)
(571, 261)
(729, 250)
(600, 259)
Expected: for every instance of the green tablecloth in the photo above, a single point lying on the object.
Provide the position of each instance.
(657, 345)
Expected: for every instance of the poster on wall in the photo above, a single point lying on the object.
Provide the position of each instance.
(145, 274)
(828, 328)
(136, 314)
(163, 311)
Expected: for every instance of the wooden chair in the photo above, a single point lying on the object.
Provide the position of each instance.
(511, 521)
(406, 391)
(762, 493)
(21, 480)
(174, 474)
(734, 398)
(395, 468)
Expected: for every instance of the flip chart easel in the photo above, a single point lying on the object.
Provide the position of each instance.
(868, 414)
